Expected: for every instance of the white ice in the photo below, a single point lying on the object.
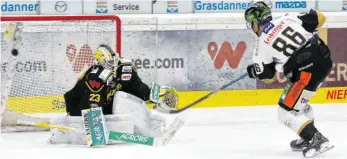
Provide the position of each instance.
(214, 133)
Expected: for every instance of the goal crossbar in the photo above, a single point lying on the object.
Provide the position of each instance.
(71, 18)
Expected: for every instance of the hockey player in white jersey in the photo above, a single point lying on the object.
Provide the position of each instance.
(289, 44)
(113, 84)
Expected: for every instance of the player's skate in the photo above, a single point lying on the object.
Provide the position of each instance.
(319, 144)
(299, 144)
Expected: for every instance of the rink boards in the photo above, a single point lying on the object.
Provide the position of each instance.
(227, 98)
(189, 64)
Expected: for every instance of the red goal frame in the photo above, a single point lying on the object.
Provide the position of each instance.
(72, 18)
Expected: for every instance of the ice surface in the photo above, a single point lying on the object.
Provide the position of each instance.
(218, 133)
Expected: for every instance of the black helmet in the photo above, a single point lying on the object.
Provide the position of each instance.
(259, 12)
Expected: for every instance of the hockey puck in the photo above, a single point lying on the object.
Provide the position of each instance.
(14, 52)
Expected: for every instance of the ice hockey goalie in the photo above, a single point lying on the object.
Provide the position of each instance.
(113, 84)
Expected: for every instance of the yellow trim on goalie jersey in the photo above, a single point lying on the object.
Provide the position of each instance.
(227, 98)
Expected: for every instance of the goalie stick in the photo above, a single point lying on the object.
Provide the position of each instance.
(175, 111)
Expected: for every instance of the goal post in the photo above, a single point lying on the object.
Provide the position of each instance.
(41, 58)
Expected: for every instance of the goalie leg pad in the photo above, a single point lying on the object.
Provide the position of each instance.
(147, 123)
(157, 124)
(119, 123)
(124, 103)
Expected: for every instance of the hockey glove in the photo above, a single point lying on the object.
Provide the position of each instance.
(264, 72)
(164, 96)
(251, 71)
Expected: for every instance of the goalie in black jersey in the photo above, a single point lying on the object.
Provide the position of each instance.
(113, 84)
(97, 86)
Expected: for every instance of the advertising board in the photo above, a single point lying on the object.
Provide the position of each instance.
(216, 6)
(117, 7)
(61, 7)
(292, 5)
(193, 60)
(172, 6)
(13, 7)
(331, 6)
(198, 60)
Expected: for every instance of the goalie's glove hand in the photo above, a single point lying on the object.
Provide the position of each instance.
(164, 96)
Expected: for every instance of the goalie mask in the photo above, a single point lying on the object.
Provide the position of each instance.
(105, 57)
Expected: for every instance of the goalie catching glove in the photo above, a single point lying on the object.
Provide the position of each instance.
(164, 96)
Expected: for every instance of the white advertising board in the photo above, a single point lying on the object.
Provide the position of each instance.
(292, 5)
(117, 7)
(330, 6)
(172, 6)
(213, 6)
(24, 7)
(61, 7)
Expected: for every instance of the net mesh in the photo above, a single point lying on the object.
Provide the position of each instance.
(52, 53)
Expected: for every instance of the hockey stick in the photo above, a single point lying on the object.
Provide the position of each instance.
(175, 111)
(120, 136)
(48, 126)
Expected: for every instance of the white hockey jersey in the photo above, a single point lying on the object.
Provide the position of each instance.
(279, 39)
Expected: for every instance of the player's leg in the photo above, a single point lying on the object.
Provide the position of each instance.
(321, 69)
(295, 98)
(300, 144)
(294, 104)
(291, 111)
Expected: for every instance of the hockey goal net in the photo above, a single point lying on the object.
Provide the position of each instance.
(41, 59)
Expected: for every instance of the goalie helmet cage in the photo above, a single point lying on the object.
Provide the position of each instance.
(52, 52)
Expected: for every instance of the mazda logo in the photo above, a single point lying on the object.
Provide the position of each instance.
(60, 6)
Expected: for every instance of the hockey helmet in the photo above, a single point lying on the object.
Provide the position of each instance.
(259, 12)
(105, 57)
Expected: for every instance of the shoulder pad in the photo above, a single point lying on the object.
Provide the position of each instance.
(125, 61)
(105, 74)
(312, 20)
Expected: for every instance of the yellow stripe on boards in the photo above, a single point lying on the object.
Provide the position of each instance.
(227, 98)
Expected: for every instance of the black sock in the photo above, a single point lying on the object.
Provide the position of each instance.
(308, 132)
